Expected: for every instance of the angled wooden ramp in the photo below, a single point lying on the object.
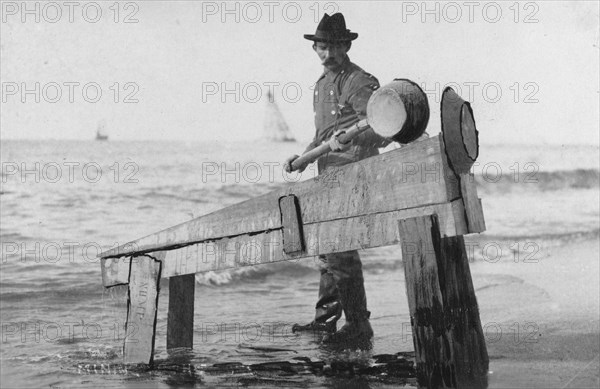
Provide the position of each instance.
(420, 196)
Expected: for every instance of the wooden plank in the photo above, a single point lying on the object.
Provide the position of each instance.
(291, 224)
(461, 314)
(472, 204)
(144, 278)
(451, 179)
(180, 319)
(355, 233)
(449, 345)
(405, 178)
(432, 354)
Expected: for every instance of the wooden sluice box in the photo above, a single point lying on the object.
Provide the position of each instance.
(420, 196)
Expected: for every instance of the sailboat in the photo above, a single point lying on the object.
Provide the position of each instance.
(275, 127)
(100, 131)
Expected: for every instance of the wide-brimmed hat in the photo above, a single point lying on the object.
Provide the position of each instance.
(332, 29)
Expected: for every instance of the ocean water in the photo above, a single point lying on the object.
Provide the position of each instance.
(62, 202)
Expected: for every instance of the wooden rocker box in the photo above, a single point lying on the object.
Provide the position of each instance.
(420, 196)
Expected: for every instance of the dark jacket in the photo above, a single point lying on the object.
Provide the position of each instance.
(340, 100)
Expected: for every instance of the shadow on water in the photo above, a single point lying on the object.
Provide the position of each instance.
(335, 368)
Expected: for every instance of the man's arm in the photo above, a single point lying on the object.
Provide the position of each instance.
(361, 89)
(287, 165)
(314, 143)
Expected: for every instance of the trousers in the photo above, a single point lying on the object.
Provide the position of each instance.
(341, 288)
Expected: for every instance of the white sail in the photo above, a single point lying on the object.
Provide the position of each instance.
(275, 127)
(101, 130)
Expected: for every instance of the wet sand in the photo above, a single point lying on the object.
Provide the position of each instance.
(541, 320)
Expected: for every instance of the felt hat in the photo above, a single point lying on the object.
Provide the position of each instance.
(332, 29)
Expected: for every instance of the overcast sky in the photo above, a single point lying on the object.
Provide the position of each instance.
(530, 69)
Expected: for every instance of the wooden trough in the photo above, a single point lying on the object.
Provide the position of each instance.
(420, 196)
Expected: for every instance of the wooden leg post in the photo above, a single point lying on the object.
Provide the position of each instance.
(449, 344)
(144, 279)
(180, 322)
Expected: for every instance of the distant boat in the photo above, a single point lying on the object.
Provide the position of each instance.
(100, 131)
(275, 127)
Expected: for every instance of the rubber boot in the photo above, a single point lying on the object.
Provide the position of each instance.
(357, 329)
(328, 308)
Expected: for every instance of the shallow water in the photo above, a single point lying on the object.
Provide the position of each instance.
(60, 327)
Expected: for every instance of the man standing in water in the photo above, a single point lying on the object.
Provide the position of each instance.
(339, 101)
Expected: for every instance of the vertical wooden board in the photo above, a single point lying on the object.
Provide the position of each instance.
(144, 278)
(462, 321)
(433, 352)
(180, 320)
(459, 218)
(473, 209)
(449, 343)
(451, 179)
(292, 226)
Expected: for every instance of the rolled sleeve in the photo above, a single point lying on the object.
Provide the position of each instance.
(361, 89)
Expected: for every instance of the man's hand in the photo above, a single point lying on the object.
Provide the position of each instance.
(287, 165)
(335, 144)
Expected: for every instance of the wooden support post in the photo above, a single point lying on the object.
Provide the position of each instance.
(180, 321)
(292, 225)
(449, 344)
(142, 303)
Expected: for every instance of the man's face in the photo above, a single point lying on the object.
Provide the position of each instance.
(331, 54)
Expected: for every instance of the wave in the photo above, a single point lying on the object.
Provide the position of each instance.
(7, 236)
(493, 179)
(193, 196)
(525, 248)
(216, 194)
(247, 190)
(557, 239)
(254, 273)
